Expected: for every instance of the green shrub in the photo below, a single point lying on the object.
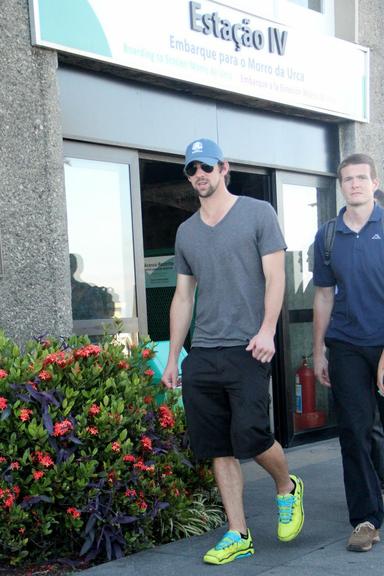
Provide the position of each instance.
(91, 465)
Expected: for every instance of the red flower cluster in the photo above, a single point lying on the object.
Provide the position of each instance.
(42, 458)
(149, 372)
(116, 447)
(138, 463)
(146, 443)
(14, 466)
(25, 414)
(74, 512)
(3, 373)
(123, 365)
(146, 353)
(86, 351)
(130, 493)
(129, 458)
(148, 399)
(166, 418)
(59, 358)
(94, 410)
(62, 428)
(3, 403)
(92, 430)
(112, 477)
(45, 375)
(141, 503)
(143, 467)
(37, 474)
(8, 496)
(2, 459)
(167, 470)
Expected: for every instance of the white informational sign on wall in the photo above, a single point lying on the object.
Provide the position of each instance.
(160, 271)
(209, 44)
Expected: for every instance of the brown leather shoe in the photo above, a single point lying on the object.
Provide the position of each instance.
(363, 537)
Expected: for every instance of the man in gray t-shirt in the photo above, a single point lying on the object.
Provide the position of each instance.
(232, 251)
(226, 262)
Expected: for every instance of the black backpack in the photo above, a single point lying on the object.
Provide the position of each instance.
(329, 237)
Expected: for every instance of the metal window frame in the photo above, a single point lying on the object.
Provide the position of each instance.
(236, 166)
(102, 153)
(283, 393)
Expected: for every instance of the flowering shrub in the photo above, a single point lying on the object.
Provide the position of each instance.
(91, 465)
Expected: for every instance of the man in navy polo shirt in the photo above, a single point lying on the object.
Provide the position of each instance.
(349, 321)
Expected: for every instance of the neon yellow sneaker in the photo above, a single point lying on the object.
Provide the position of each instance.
(230, 547)
(291, 512)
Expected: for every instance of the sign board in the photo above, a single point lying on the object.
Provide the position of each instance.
(211, 44)
(159, 271)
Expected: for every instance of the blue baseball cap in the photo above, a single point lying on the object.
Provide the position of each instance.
(204, 151)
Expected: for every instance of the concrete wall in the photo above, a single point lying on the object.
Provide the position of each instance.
(35, 288)
(346, 19)
(369, 138)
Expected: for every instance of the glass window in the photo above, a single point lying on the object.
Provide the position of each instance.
(304, 203)
(100, 240)
(305, 15)
(299, 200)
(316, 5)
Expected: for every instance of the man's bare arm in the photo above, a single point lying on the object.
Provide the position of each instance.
(262, 344)
(180, 321)
(322, 309)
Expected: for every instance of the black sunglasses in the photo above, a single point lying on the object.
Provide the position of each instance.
(191, 168)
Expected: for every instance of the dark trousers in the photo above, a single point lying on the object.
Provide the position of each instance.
(378, 448)
(352, 371)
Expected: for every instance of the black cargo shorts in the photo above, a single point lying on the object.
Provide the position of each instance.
(226, 400)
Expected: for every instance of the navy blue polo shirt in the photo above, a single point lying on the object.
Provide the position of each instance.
(357, 272)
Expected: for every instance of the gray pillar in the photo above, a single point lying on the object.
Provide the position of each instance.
(369, 138)
(35, 287)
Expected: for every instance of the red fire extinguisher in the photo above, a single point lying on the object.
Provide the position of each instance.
(306, 415)
(305, 388)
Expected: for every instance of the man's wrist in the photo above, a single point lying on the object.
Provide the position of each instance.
(268, 330)
(318, 352)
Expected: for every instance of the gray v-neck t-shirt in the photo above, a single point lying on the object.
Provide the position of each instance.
(225, 260)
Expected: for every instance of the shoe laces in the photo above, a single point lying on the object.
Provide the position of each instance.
(231, 537)
(285, 508)
(363, 525)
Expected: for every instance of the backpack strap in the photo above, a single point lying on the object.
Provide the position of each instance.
(329, 237)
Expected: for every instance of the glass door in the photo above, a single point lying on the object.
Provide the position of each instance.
(304, 202)
(105, 239)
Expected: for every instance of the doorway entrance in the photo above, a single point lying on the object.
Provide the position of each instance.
(304, 203)
(167, 200)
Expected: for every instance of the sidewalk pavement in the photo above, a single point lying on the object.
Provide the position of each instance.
(320, 548)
